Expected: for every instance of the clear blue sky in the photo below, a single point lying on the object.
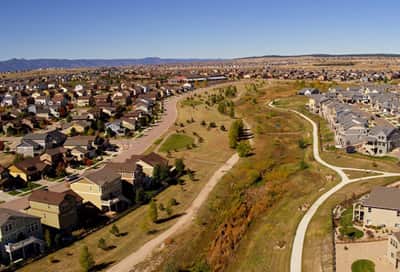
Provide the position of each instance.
(198, 29)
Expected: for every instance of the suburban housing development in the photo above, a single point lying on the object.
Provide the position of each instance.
(362, 118)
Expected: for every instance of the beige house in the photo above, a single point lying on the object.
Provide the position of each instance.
(381, 208)
(56, 210)
(148, 162)
(393, 252)
(102, 188)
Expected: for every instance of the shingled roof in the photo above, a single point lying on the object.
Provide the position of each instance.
(50, 197)
(383, 198)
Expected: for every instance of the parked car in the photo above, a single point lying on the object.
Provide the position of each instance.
(71, 177)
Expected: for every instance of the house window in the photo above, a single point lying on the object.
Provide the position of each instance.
(369, 209)
(398, 213)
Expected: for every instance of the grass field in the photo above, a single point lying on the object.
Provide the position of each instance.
(262, 197)
(203, 160)
(176, 142)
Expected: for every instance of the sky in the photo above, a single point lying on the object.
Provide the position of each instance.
(195, 29)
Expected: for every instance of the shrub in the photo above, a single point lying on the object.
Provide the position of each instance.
(114, 230)
(86, 260)
(153, 214)
(243, 149)
(102, 244)
(173, 202)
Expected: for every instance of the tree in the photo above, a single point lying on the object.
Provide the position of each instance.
(234, 133)
(69, 118)
(73, 132)
(153, 213)
(102, 244)
(179, 166)
(243, 149)
(48, 238)
(156, 172)
(139, 195)
(60, 169)
(161, 207)
(86, 260)
(114, 230)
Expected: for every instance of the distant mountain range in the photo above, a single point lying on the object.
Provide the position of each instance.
(32, 64)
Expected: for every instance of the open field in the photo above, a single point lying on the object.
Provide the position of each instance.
(203, 160)
(176, 142)
(256, 206)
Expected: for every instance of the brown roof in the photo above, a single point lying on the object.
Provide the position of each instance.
(154, 159)
(50, 197)
(31, 164)
(103, 176)
(384, 198)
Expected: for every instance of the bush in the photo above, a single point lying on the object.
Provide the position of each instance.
(102, 244)
(173, 202)
(243, 149)
(222, 127)
(114, 230)
(212, 125)
(302, 144)
(86, 260)
(153, 214)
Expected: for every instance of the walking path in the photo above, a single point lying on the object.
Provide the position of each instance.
(298, 243)
(146, 250)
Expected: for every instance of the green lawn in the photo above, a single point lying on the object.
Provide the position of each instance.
(347, 218)
(351, 232)
(363, 266)
(176, 142)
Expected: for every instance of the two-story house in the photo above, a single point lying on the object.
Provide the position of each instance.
(20, 235)
(381, 208)
(58, 210)
(102, 188)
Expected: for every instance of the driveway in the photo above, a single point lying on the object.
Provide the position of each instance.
(374, 251)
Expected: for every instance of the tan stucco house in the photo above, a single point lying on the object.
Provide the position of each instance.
(102, 188)
(58, 210)
(381, 208)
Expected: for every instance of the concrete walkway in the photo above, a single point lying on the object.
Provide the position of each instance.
(298, 243)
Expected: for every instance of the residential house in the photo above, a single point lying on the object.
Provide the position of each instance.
(58, 210)
(28, 170)
(102, 188)
(20, 235)
(381, 208)
(83, 101)
(116, 127)
(149, 161)
(393, 250)
(77, 126)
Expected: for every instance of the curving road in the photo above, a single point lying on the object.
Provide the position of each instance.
(298, 243)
